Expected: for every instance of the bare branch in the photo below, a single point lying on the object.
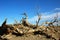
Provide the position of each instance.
(39, 18)
(4, 23)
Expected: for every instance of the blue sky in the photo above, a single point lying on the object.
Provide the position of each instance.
(12, 9)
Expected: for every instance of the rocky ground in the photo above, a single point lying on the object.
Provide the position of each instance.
(28, 31)
(40, 33)
(49, 35)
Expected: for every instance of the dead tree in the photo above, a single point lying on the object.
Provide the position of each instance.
(16, 21)
(51, 23)
(24, 20)
(5, 29)
(4, 23)
(39, 18)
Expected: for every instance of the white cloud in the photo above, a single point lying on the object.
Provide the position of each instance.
(57, 8)
(44, 17)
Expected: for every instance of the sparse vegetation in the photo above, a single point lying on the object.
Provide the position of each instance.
(25, 29)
